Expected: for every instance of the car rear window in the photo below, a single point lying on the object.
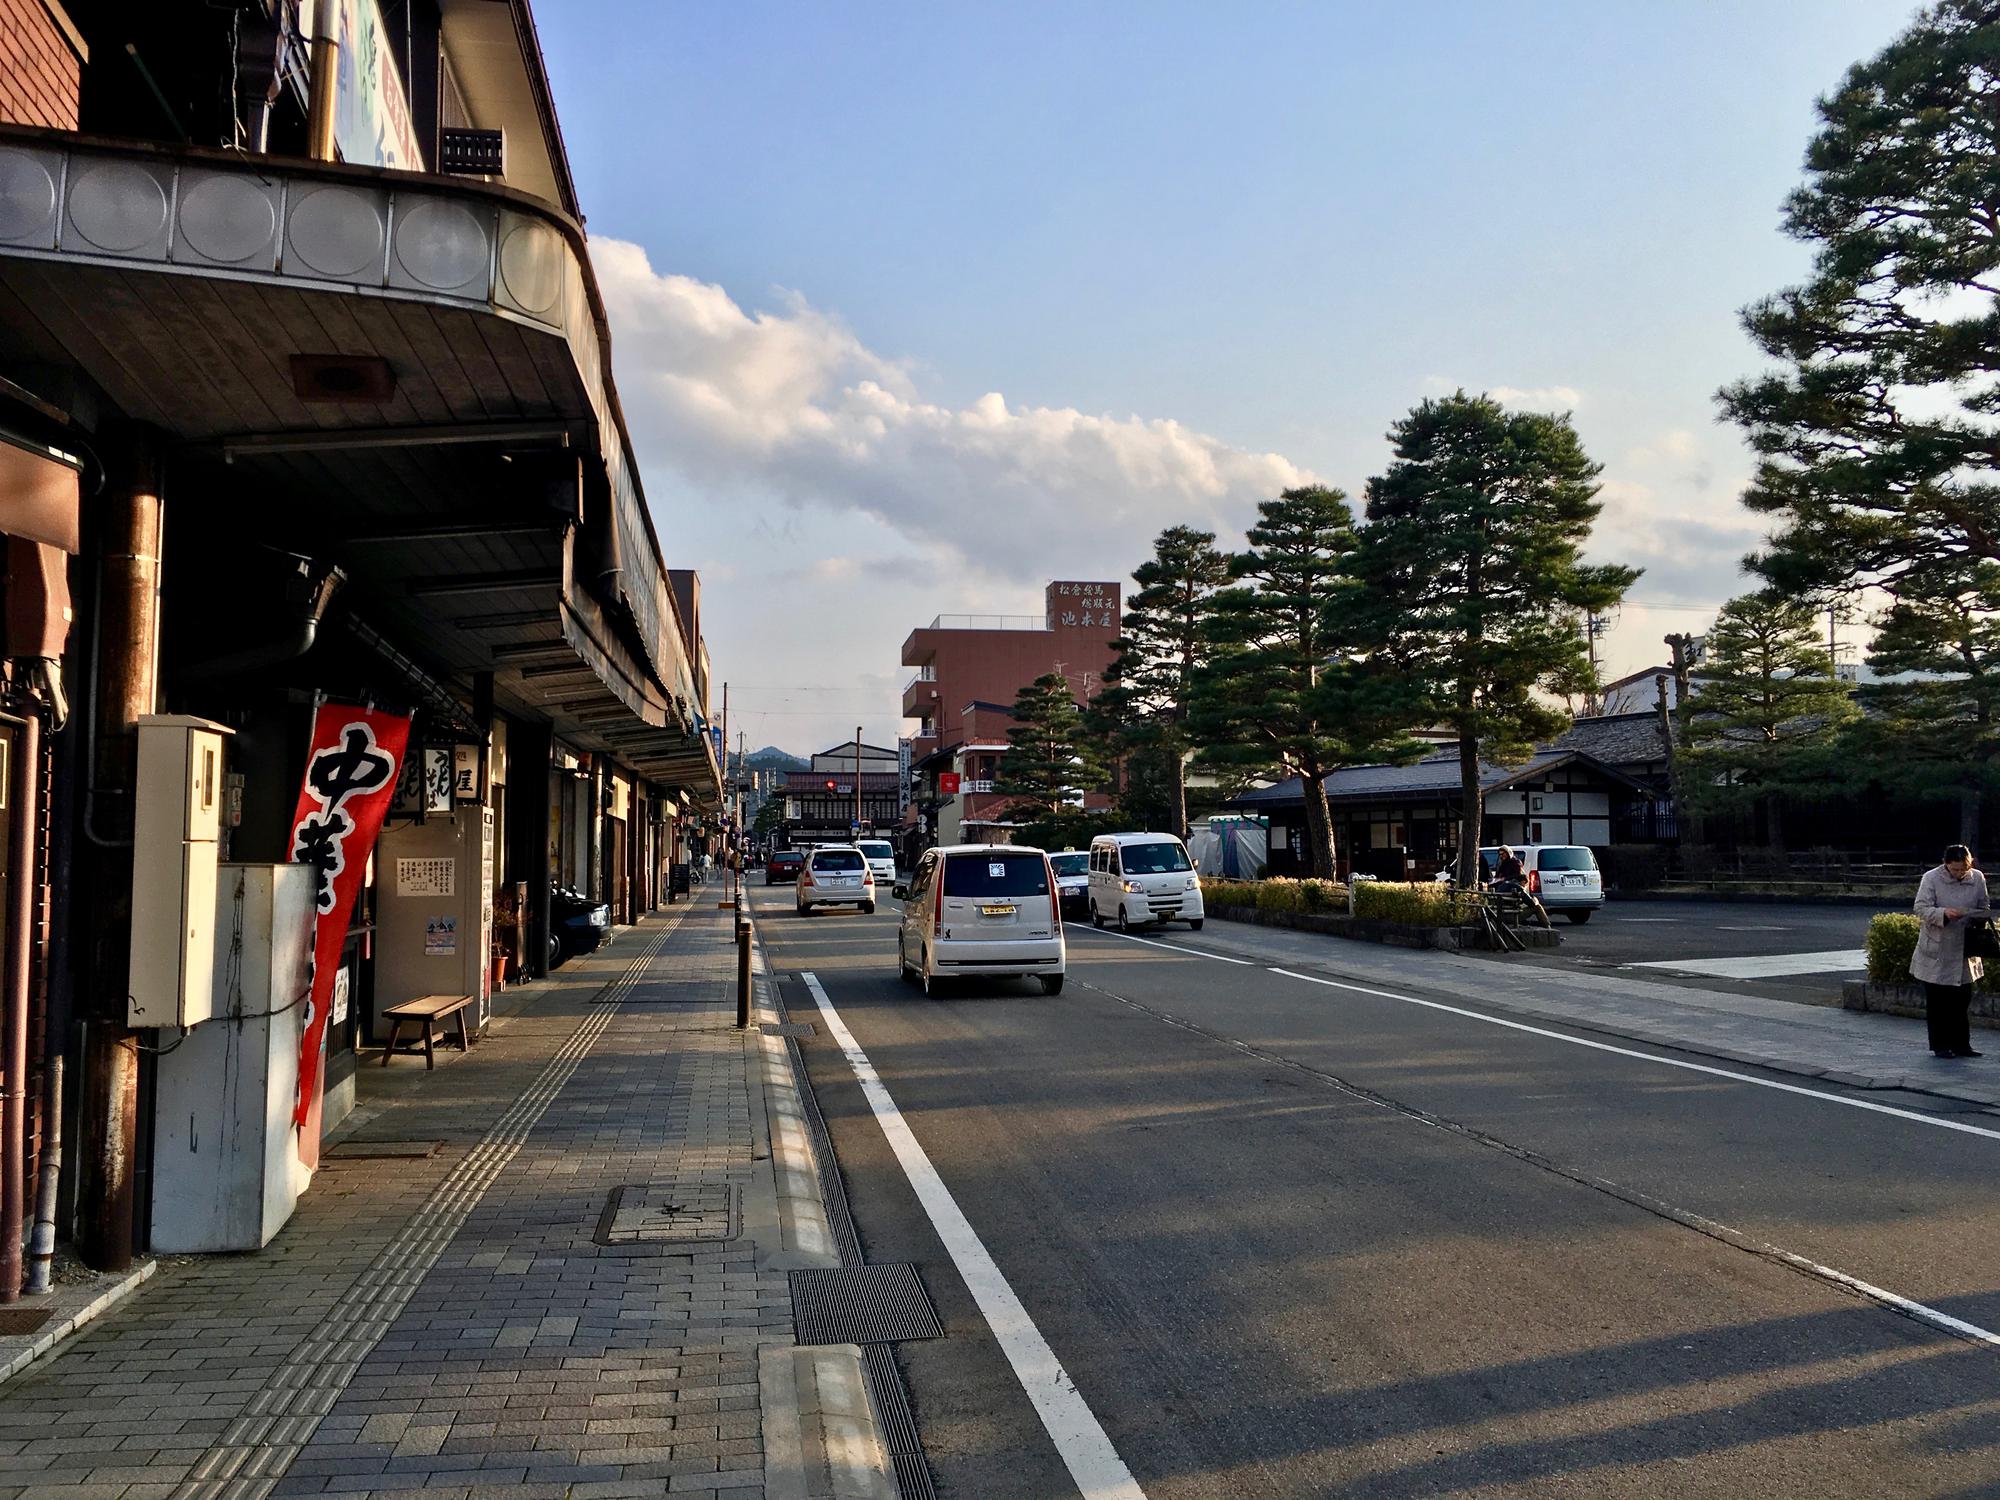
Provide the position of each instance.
(981, 875)
(1154, 859)
(1071, 864)
(838, 859)
(1566, 859)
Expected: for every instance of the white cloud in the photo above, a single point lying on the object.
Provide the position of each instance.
(1539, 398)
(790, 402)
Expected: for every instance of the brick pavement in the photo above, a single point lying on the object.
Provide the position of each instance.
(454, 1324)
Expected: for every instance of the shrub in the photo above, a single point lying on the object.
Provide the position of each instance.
(1423, 904)
(1280, 895)
(1224, 894)
(1323, 895)
(1892, 938)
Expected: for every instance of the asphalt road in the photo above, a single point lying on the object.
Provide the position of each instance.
(1653, 933)
(1293, 1240)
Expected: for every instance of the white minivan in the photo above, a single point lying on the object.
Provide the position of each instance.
(881, 857)
(981, 911)
(1143, 877)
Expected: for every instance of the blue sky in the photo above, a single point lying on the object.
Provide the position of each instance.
(916, 307)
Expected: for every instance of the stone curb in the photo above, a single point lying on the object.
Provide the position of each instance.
(18, 1352)
(822, 1435)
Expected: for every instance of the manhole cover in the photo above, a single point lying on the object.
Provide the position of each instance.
(669, 1213)
(19, 1320)
(788, 1028)
(370, 1150)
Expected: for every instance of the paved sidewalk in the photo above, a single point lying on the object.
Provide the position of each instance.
(1856, 1048)
(497, 1318)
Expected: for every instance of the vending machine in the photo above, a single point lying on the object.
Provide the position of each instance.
(434, 911)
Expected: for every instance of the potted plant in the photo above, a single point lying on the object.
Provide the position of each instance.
(506, 944)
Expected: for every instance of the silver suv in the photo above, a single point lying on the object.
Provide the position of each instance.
(836, 875)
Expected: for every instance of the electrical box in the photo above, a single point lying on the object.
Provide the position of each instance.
(176, 844)
(226, 1168)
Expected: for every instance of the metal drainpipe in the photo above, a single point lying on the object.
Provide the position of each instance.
(319, 99)
(14, 986)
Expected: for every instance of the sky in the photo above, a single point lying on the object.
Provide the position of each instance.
(915, 308)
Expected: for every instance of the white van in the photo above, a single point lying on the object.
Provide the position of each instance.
(981, 911)
(1143, 877)
(881, 857)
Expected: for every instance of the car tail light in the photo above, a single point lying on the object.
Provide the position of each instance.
(805, 876)
(937, 901)
(1534, 882)
(867, 877)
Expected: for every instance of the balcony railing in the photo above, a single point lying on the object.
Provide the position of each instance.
(975, 786)
(990, 622)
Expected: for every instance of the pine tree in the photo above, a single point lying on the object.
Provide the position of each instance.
(1878, 448)
(1047, 767)
(1286, 690)
(1936, 732)
(1474, 580)
(1768, 710)
(1143, 709)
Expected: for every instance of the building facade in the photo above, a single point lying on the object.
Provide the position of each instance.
(969, 670)
(307, 428)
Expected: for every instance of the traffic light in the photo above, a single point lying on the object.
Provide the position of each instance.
(830, 783)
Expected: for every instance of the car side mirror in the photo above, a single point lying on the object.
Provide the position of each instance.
(900, 892)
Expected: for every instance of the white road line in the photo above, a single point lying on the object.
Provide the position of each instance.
(1079, 1438)
(1221, 958)
(1764, 965)
(1652, 1057)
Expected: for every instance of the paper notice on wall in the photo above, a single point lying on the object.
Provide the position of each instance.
(426, 877)
(342, 982)
(441, 937)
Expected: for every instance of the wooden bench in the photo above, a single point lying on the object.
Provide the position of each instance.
(428, 1010)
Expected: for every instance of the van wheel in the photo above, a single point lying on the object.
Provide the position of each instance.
(1578, 917)
(1096, 917)
(1052, 984)
(903, 970)
(1123, 925)
(1194, 924)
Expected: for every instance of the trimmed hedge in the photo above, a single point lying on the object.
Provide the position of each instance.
(1892, 939)
(1419, 903)
(1275, 895)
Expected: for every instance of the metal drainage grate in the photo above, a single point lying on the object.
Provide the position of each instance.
(371, 1150)
(670, 1213)
(789, 1028)
(15, 1321)
(862, 1305)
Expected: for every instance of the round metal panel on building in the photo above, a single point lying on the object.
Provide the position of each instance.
(28, 197)
(227, 220)
(532, 259)
(116, 207)
(335, 231)
(441, 245)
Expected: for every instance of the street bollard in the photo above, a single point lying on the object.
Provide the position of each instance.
(742, 974)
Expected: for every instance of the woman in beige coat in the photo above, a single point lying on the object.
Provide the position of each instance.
(1949, 899)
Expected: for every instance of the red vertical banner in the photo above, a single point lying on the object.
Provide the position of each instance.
(350, 782)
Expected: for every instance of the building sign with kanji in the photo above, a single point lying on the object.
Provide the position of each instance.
(350, 778)
(1087, 606)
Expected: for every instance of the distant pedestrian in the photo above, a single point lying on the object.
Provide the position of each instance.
(1949, 899)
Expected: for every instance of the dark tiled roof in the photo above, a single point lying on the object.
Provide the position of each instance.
(1433, 776)
(1617, 739)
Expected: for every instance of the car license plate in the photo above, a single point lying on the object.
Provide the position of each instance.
(1572, 880)
(996, 911)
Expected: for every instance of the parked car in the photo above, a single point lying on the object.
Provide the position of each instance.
(1072, 868)
(577, 924)
(783, 865)
(1143, 877)
(881, 857)
(836, 875)
(981, 910)
(1563, 877)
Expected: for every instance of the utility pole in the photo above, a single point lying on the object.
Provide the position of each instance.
(857, 781)
(724, 757)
